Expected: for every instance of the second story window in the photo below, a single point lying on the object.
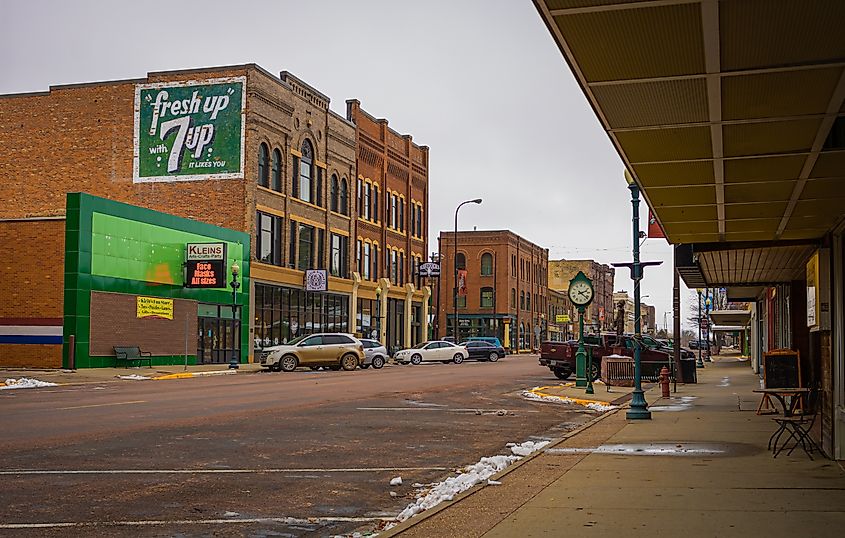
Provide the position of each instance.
(306, 243)
(339, 261)
(268, 238)
(486, 297)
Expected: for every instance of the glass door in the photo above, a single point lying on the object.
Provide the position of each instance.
(217, 338)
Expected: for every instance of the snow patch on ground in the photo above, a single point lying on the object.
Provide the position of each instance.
(26, 383)
(468, 477)
(133, 377)
(396, 481)
(595, 406)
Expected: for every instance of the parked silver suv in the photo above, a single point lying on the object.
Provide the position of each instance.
(375, 354)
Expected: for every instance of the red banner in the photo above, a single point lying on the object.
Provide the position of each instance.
(462, 283)
(654, 229)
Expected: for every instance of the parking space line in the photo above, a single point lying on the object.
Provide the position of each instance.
(15, 472)
(159, 522)
(101, 405)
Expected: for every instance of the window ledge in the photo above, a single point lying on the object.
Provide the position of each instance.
(336, 214)
(307, 204)
(271, 191)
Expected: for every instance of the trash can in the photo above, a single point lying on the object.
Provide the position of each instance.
(688, 371)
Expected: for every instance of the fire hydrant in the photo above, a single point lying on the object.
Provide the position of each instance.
(664, 382)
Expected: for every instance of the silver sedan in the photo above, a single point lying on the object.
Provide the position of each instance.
(375, 353)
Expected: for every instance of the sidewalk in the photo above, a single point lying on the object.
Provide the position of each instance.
(719, 481)
(103, 375)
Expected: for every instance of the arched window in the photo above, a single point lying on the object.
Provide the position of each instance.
(335, 193)
(522, 300)
(528, 301)
(344, 197)
(461, 261)
(263, 168)
(306, 169)
(486, 264)
(486, 297)
(513, 297)
(277, 170)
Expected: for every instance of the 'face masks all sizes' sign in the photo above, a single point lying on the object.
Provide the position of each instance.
(188, 131)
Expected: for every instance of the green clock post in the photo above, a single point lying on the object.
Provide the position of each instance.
(581, 294)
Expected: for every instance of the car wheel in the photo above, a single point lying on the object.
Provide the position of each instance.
(560, 373)
(365, 366)
(493, 357)
(349, 362)
(288, 363)
(458, 358)
(378, 362)
(276, 367)
(416, 359)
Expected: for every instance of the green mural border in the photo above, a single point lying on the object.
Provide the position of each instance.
(79, 282)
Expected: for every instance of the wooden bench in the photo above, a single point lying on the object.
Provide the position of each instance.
(132, 353)
(617, 371)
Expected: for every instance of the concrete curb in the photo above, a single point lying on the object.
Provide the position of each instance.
(419, 518)
(186, 375)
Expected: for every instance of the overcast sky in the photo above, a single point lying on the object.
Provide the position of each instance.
(479, 82)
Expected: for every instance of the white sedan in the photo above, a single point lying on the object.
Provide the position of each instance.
(436, 350)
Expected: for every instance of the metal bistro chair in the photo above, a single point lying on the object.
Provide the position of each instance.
(799, 427)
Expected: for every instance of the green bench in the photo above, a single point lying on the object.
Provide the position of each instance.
(132, 353)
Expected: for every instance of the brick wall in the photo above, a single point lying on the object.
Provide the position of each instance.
(114, 322)
(31, 285)
(80, 138)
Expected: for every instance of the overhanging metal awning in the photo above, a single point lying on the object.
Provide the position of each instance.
(730, 116)
(732, 318)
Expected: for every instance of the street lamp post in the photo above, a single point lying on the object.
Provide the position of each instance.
(455, 259)
(699, 363)
(233, 364)
(639, 407)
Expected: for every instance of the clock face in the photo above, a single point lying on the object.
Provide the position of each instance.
(580, 293)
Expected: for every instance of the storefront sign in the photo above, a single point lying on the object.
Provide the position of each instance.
(430, 269)
(562, 318)
(316, 280)
(206, 265)
(154, 307)
(190, 130)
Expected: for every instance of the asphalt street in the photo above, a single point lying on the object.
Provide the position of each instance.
(265, 454)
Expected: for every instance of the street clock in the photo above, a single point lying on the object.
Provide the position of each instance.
(581, 290)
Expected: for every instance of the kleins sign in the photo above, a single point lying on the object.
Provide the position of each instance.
(206, 265)
(189, 130)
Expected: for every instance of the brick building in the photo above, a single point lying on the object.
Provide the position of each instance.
(505, 287)
(236, 148)
(562, 317)
(599, 315)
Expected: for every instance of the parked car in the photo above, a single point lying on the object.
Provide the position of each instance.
(436, 350)
(559, 357)
(375, 354)
(332, 350)
(489, 339)
(483, 350)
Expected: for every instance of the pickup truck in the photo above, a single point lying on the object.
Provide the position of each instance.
(559, 357)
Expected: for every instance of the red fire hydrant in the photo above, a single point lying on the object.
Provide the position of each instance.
(664, 382)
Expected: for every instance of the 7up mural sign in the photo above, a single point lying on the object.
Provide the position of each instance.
(188, 131)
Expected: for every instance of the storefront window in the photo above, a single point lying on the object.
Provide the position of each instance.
(367, 322)
(282, 314)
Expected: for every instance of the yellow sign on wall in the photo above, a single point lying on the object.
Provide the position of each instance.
(562, 318)
(155, 307)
